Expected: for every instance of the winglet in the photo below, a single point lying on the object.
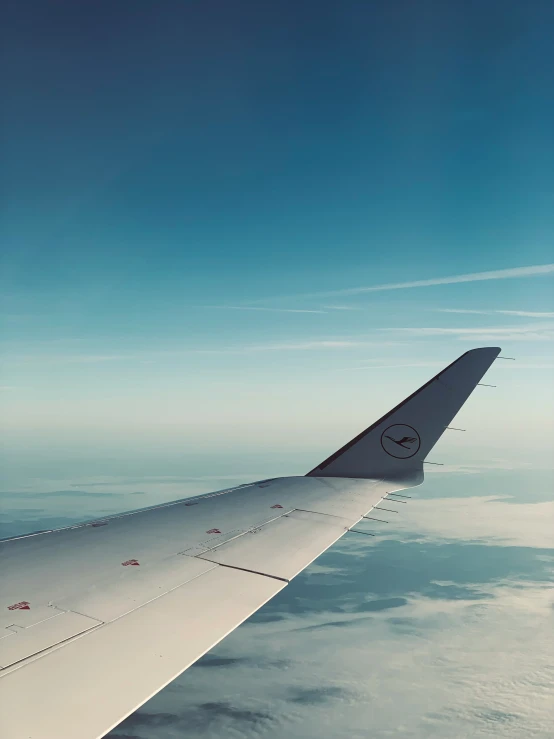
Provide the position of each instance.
(395, 446)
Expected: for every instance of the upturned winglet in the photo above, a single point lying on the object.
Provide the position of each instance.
(395, 446)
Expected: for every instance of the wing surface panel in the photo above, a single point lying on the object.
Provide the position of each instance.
(38, 569)
(112, 598)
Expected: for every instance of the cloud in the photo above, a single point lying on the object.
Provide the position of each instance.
(390, 366)
(526, 313)
(202, 717)
(535, 270)
(315, 696)
(326, 308)
(151, 356)
(510, 366)
(116, 481)
(470, 331)
(343, 307)
(522, 313)
(535, 364)
(213, 661)
(488, 519)
(484, 333)
(71, 358)
(269, 310)
(307, 345)
(63, 494)
(455, 662)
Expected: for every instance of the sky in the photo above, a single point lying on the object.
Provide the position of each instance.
(232, 236)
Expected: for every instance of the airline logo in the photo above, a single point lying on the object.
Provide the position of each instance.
(400, 441)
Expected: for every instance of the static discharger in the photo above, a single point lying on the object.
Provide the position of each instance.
(356, 531)
(396, 501)
(453, 428)
(512, 358)
(370, 518)
(389, 510)
(482, 384)
(439, 464)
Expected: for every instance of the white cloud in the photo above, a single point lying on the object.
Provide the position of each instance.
(390, 366)
(151, 356)
(485, 518)
(443, 331)
(535, 270)
(306, 345)
(482, 333)
(343, 307)
(268, 310)
(522, 313)
(526, 313)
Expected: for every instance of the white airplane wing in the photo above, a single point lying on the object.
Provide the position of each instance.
(97, 618)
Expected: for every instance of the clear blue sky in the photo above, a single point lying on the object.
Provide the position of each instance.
(191, 190)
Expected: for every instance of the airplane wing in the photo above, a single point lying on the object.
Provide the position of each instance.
(97, 618)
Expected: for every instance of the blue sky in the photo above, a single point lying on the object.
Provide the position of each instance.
(193, 193)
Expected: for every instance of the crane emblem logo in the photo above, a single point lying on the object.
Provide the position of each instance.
(400, 441)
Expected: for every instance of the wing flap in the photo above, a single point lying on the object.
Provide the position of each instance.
(284, 547)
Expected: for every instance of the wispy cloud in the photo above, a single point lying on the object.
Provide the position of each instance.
(526, 314)
(484, 333)
(324, 310)
(535, 270)
(510, 366)
(152, 356)
(522, 313)
(440, 330)
(307, 345)
(267, 310)
(343, 307)
(390, 366)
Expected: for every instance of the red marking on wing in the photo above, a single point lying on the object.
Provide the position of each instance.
(213, 531)
(277, 506)
(131, 562)
(22, 606)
